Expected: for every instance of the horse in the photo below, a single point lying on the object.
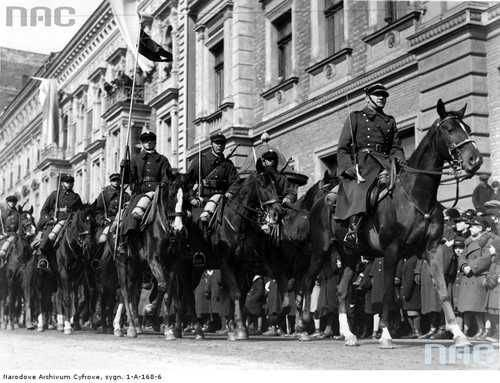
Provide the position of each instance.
(236, 242)
(154, 247)
(409, 220)
(69, 260)
(19, 270)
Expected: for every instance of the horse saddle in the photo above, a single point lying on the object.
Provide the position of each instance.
(382, 187)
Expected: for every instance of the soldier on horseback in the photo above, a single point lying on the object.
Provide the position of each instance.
(10, 224)
(106, 205)
(56, 209)
(144, 173)
(284, 189)
(210, 176)
(368, 141)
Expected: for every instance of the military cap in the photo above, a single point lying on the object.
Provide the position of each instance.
(11, 198)
(460, 219)
(115, 177)
(270, 155)
(147, 136)
(218, 138)
(452, 213)
(479, 221)
(67, 178)
(469, 214)
(376, 88)
(459, 242)
(484, 177)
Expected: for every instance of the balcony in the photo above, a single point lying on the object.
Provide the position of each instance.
(122, 94)
(52, 155)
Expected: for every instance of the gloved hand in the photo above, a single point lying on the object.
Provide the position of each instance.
(195, 202)
(286, 201)
(351, 172)
(124, 163)
(467, 270)
(228, 195)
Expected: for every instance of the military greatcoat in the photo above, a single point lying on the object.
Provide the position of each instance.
(106, 204)
(377, 140)
(68, 202)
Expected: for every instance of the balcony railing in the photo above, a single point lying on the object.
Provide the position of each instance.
(51, 152)
(123, 94)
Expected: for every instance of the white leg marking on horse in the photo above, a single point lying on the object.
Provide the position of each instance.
(40, 321)
(455, 330)
(177, 224)
(118, 315)
(350, 338)
(386, 335)
(60, 319)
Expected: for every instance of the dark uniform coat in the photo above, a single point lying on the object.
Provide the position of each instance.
(218, 175)
(202, 296)
(377, 140)
(481, 194)
(328, 301)
(472, 294)
(68, 202)
(284, 188)
(107, 203)
(256, 297)
(429, 295)
(10, 219)
(219, 296)
(493, 287)
(410, 290)
(147, 171)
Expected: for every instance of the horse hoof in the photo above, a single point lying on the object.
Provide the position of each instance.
(351, 341)
(9, 327)
(462, 341)
(231, 336)
(30, 327)
(199, 336)
(170, 335)
(60, 327)
(40, 329)
(68, 331)
(131, 332)
(241, 334)
(117, 332)
(385, 344)
(304, 337)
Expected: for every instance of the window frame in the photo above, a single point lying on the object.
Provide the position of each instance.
(284, 44)
(330, 12)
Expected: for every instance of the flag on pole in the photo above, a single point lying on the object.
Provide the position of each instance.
(49, 101)
(129, 23)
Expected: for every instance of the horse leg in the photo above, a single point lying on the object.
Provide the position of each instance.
(162, 280)
(435, 257)
(390, 262)
(121, 269)
(342, 291)
(117, 329)
(66, 302)
(229, 277)
(27, 301)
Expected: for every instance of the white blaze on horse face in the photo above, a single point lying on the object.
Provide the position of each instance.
(177, 224)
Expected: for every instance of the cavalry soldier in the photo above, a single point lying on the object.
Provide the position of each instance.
(365, 159)
(106, 205)
(286, 191)
(144, 173)
(57, 209)
(10, 224)
(217, 174)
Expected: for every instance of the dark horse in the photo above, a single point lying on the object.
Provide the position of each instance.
(410, 220)
(19, 269)
(156, 246)
(70, 262)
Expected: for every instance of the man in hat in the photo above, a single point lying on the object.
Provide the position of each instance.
(10, 224)
(482, 193)
(286, 191)
(57, 208)
(144, 173)
(217, 174)
(366, 158)
(106, 204)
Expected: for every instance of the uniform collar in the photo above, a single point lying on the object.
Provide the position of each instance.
(144, 153)
(215, 156)
(371, 113)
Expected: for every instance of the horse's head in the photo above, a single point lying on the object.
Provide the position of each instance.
(263, 196)
(456, 145)
(27, 225)
(82, 229)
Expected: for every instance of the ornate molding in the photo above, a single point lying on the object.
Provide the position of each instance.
(116, 55)
(400, 24)
(98, 72)
(283, 85)
(337, 57)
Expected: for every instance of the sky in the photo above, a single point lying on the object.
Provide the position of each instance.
(41, 38)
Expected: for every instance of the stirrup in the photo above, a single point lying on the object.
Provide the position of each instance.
(43, 264)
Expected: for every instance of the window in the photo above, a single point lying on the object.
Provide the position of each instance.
(18, 172)
(11, 183)
(218, 53)
(334, 14)
(394, 10)
(27, 166)
(283, 27)
(90, 122)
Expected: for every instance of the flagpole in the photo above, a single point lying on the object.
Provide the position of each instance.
(127, 145)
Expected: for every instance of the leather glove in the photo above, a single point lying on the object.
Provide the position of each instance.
(228, 195)
(351, 172)
(286, 201)
(195, 202)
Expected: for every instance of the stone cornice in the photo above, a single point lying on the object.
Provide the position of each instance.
(351, 88)
(335, 58)
(98, 72)
(81, 89)
(80, 156)
(283, 85)
(396, 25)
(113, 57)
(465, 16)
(165, 96)
(96, 145)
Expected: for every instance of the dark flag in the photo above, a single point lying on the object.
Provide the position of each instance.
(152, 50)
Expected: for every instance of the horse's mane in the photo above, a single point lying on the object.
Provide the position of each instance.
(307, 200)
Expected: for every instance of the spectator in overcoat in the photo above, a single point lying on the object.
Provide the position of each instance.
(492, 283)
(409, 293)
(255, 301)
(482, 193)
(431, 306)
(458, 250)
(219, 300)
(474, 264)
(328, 301)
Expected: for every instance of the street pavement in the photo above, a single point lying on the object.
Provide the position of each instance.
(51, 350)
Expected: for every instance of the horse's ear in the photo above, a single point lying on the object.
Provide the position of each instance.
(461, 112)
(441, 110)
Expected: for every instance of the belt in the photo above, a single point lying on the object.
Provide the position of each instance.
(375, 148)
(151, 179)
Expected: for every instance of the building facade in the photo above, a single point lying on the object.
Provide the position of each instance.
(291, 68)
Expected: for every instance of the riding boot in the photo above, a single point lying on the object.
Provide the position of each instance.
(351, 237)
